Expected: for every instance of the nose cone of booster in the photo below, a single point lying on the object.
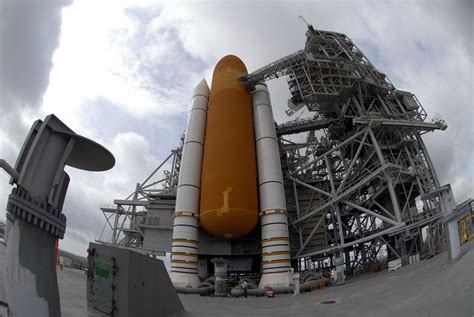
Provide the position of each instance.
(229, 201)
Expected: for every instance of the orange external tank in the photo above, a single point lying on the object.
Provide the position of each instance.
(229, 201)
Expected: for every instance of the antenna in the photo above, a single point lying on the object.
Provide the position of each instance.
(304, 21)
(309, 26)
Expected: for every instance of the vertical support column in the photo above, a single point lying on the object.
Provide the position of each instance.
(452, 232)
(347, 256)
(133, 217)
(391, 190)
(184, 246)
(403, 249)
(339, 224)
(428, 159)
(274, 220)
(339, 261)
(453, 240)
(115, 229)
(220, 273)
(297, 204)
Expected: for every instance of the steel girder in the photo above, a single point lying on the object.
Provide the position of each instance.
(128, 216)
(354, 170)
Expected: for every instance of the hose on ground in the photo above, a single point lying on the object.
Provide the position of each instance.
(194, 290)
(305, 287)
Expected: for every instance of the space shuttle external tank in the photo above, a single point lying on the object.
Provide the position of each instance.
(229, 201)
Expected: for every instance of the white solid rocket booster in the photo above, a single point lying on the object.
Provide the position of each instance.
(184, 247)
(274, 220)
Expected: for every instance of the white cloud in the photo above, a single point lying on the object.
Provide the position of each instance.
(90, 191)
(462, 186)
(96, 58)
(426, 51)
(29, 34)
(134, 161)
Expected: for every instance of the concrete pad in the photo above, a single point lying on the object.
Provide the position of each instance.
(432, 287)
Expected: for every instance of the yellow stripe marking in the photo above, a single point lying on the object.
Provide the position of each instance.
(225, 208)
(275, 253)
(275, 239)
(184, 254)
(185, 214)
(273, 261)
(184, 240)
(184, 261)
(273, 211)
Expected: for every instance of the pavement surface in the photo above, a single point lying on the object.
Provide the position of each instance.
(431, 287)
(428, 288)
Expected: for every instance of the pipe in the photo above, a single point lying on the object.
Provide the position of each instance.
(184, 246)
(209, 280)
(250, 282)
(10, 170)
(206, 287)
(194, 290)
(275, 241)
(305, 287)
(310, 276)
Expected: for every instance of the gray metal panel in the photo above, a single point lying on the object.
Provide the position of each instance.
(202, 268)
(104, 282)
(212, 245)
(157, 239)
(123, 282)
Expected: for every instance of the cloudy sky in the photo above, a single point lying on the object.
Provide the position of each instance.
(122, 73)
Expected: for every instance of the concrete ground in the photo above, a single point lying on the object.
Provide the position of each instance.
(72, 288)
(429, 288)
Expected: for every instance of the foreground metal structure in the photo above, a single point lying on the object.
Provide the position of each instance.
(357, 175)
(35, 220)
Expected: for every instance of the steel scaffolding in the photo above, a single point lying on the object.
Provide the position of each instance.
(353, 175)
(127, 218)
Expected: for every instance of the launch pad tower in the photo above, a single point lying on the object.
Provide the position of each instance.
(357, 176)
(352, 182)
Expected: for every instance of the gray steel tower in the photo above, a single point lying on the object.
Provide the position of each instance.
(353, 175)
